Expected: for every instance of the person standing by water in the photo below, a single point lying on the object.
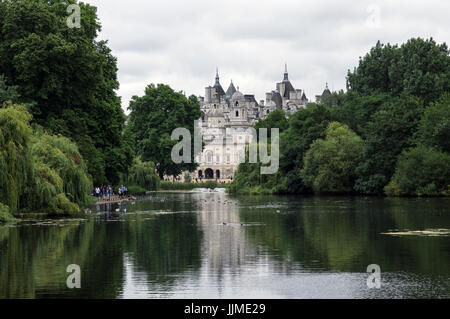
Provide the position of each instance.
(108, 193)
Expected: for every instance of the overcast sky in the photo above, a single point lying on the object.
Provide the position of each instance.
(181, 42)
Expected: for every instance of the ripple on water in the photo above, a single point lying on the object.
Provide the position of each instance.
(441, 232)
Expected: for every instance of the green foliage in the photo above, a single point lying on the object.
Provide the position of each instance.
(7, 93)
(275, 119)
(418, 67)
(143, 174)
(152, 120)
(5, 215)
(249, 180)
(389, 131)
(166, 185)
(16, 167)
(421, 171)
(434, 128)
(136, 190)
(57, 158)
(334, 99)
(357, 110)
(330, 164)
(69, 75)
(39, 172)
(305, 126)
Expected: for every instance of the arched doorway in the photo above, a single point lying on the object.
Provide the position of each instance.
(209, 173)
(217, 174)
(200, 174)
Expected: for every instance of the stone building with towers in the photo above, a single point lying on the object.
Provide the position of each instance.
(226, 118)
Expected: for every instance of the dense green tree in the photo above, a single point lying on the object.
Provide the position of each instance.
(275, 119)
(16, 165)
(418, 67)
(356, 110)
(143, 174)
(152, 120)
(249, 180)
(305, 126)
(7, 93)
(421, 171)
(60, 175)
(434, 128)
(69, 77)
(330, 163)
(388, 133)
(39, 172)
(334, 99)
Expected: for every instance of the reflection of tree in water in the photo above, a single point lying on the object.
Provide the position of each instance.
(344, 234)
(33, 259)
(316, 233)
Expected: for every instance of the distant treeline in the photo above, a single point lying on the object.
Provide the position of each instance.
(388, 134)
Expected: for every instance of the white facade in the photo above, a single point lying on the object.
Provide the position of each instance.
(226, 119)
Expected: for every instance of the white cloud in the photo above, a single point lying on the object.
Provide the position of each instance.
(180, 43)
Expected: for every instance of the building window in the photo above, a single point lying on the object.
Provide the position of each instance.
(217, 158)
(237, 103)
(209, 157)
(228, 158)
(237, 113)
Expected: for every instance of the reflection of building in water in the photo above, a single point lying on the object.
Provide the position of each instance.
(224, 246)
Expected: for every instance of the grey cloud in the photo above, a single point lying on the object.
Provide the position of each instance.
(181, 42)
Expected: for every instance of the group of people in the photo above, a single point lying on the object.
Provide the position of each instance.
(105, 192)
(102, 192)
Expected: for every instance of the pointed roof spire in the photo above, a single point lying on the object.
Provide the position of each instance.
(304, 98)
(286, 75)
(217, 86)
(327, 90)
(231, 90)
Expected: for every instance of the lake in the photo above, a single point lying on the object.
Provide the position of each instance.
(211, 245)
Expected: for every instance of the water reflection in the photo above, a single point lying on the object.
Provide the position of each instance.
(210, 245)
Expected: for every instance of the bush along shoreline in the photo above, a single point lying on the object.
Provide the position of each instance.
(389, 134)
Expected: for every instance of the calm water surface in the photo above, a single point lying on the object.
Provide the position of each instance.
(211, 245)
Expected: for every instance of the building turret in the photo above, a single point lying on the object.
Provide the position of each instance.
(230, 91)
(218, 88)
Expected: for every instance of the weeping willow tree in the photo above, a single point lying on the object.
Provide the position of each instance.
(16, 165)
(143, 174)
(39, 172)
(63, 157)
